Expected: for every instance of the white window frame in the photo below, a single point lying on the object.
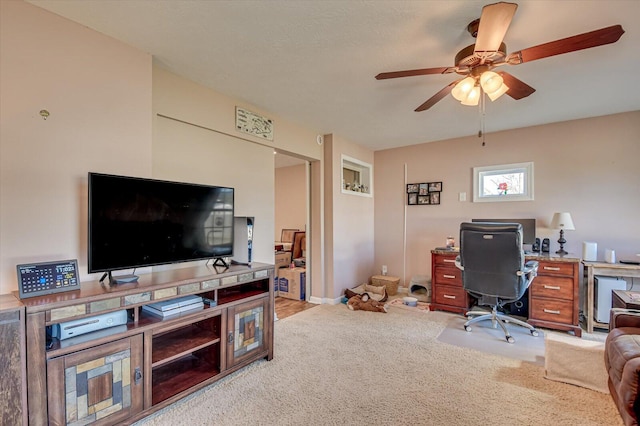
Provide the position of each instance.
(366, 175)
(479, 173)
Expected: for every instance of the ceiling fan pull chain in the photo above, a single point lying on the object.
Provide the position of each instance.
(482, 116)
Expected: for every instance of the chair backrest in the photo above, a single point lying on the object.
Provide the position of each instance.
(492, 256)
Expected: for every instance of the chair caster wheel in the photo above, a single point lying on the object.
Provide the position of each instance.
(467, 328)
(510, 339)
(534, 333)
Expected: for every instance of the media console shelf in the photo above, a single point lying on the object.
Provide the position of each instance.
(123, 373)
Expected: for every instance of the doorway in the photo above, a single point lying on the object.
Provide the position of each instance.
(291, 229)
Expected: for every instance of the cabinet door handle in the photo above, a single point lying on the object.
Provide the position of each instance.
(550, 311)
(552, 287)
(449, 260)
(449, 276)
(137, 375)
(230, 337)
(551, 268)
(446, 296)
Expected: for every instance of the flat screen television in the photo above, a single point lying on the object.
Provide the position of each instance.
(528, 227)
(136, 222)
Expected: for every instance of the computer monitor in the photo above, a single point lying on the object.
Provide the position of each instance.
(528, 227)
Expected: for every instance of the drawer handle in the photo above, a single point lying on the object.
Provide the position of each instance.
(449, 276)
(551, 268)
(449, 260)
(550, 311)
(552, 287)
(446, 296)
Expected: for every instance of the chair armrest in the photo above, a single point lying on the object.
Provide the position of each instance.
(531, 268)
(621, 317)
(459, 263)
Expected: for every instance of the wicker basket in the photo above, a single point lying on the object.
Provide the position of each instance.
(391, 283)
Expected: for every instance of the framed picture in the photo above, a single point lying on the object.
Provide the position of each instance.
(412, 187)
(423, 199)
(435, 186)
(412, 199)
(423, 189)
(434, 198)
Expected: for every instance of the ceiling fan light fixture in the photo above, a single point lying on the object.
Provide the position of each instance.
(473, 97)
(490, 81)
(496, 94)
(463, 88)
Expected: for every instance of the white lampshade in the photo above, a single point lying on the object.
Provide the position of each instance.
(473, 97)
(562, 221)
(501, 91)
(493, 85)
(462, 89)
(490, 81)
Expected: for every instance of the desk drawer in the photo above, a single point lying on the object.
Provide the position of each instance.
(555, 268)
(448, 260)
(447, 276)
(551, 310)
(553, 287)
(450, 295)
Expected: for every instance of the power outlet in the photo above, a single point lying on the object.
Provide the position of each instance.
(384, 269)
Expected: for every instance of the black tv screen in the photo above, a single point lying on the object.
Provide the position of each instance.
(135, 222)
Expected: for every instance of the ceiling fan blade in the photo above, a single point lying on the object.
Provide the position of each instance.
(411, 73)
(437, 97)
(570, 44)
(494, 23)
(518, 89)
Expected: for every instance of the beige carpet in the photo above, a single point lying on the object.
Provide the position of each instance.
(333, 366)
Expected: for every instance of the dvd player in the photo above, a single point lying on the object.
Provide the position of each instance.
(65, 330)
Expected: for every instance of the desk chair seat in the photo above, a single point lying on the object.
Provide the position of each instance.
(494, 272)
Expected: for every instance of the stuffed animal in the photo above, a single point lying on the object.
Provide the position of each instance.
(362, 302)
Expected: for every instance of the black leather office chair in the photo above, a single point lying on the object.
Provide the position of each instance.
(494, 270)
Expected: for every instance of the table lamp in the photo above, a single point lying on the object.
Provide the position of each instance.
(563, 222)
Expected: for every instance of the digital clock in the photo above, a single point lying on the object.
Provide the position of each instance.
(37, 279)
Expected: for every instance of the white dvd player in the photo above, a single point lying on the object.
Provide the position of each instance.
(65, 330)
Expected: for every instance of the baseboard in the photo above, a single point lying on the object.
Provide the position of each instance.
(325, 300)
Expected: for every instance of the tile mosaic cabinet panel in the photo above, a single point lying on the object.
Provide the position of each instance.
(87, 400)
(248, 331)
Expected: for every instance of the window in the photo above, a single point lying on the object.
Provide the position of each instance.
(507, 182)
(357, 177)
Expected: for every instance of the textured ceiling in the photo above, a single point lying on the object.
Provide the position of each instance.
(314, 62)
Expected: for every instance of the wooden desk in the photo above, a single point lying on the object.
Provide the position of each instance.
(553, 294)
(608, 269)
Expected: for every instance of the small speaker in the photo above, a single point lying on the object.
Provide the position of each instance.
(545, 245)
(536, 246)
(242, 240)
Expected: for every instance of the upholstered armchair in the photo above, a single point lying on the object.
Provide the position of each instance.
(622, 361)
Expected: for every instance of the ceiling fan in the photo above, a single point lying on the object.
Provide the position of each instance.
(477, 61)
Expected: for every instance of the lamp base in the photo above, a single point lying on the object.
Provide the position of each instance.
(561, 241)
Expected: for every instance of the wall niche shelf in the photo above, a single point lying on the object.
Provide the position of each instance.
(356, 177)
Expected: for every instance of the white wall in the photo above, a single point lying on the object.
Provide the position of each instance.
(98, 92)
(199, 143)
(349, 222)
(586, 167)
(291, 199)
(103, 119)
